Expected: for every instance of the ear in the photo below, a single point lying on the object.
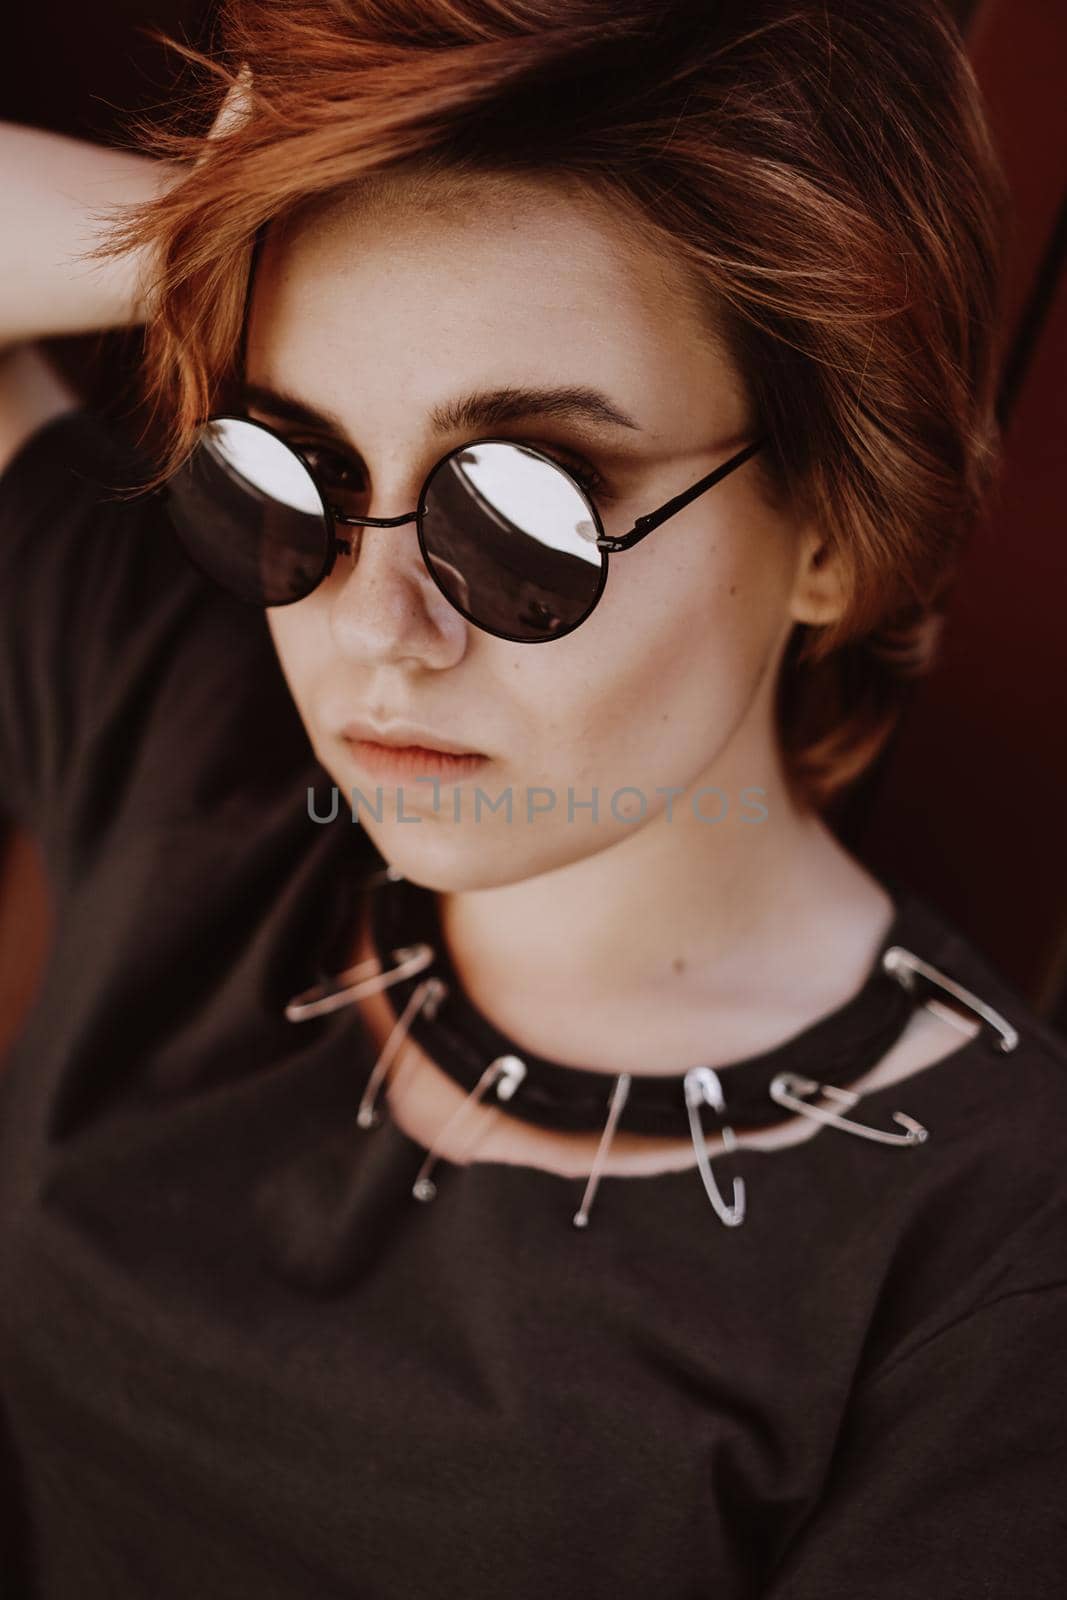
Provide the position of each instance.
(819, 590)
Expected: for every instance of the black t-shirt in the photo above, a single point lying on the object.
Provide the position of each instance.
(237, 1358)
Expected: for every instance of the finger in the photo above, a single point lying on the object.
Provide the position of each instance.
(236, 105)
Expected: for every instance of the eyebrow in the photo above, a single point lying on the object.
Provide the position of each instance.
(485, 409)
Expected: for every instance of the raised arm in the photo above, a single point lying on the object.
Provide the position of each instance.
(55, 197)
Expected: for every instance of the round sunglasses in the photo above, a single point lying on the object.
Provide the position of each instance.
(509, 536)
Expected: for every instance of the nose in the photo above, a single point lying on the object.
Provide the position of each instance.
(384, 604)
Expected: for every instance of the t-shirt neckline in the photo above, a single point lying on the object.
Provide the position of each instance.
(837, 1048)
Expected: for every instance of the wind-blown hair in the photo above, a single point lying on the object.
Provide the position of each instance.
(822, 167)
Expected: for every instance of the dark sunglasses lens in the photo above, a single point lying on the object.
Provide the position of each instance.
(510, 539)
(249, 514)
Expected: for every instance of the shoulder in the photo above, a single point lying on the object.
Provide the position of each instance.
(978, 1210)
(82, 547)
(70, 467)
(946, 968)
(991, 1214)
(138, 691)
(1014, 1088)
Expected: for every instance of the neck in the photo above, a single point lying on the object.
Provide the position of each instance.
(775, 913)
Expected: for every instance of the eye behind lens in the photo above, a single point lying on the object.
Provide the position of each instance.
(250, 515)
(517, 527)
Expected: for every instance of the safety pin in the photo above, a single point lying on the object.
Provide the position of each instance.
(325, 997)
(618, 1100)
(702, 1087)
(902, 965)
(787, 1086)
(510, 1071)
(427, 996)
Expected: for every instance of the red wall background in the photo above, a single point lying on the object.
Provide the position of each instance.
(969, 803)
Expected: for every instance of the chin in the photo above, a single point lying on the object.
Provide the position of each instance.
(456, 858)
(449, 861)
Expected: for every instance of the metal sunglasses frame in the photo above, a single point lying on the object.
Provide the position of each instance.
(604, 542)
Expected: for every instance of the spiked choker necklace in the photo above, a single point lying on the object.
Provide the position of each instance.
(413, 964)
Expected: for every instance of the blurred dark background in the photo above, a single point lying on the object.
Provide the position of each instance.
(968, 803)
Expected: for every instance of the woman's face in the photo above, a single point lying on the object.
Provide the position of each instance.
(384, 314)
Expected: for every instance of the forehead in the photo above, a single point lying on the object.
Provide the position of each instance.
(422, 282)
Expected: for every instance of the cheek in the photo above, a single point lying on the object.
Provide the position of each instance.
(716, 594)
(661, 673)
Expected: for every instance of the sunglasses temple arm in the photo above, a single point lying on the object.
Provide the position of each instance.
(654, 519)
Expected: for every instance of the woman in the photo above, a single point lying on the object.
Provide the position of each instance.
(739, 1267)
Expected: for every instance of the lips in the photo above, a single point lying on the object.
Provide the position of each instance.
(403, 736)
(394, 762)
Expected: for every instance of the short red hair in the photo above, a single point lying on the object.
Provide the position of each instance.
(826, 171)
